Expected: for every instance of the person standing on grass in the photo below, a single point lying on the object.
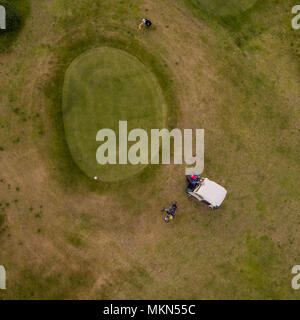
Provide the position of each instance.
(170, 212)
(145, 22)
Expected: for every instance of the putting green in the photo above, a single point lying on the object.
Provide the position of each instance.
(224, 7)
(103, 86)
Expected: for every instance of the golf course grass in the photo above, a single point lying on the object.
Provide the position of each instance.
(64, 235)
(223, 8)
(102, 87)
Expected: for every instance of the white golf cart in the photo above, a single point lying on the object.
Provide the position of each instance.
(208, 192)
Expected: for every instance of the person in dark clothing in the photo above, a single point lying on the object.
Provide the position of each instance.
(145, 22)
(170, 212)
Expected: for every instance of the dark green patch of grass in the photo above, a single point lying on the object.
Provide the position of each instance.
(16, 140)
(38, 215)
(257, 269)
(2, 219)
(75, 240)
(242, 25)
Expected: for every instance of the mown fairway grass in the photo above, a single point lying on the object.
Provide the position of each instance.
(63, 235)
(102, 87)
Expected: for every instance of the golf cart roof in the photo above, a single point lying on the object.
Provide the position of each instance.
(211, 192)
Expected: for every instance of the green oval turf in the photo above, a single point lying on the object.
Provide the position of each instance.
(103, 86)
(224, 7)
